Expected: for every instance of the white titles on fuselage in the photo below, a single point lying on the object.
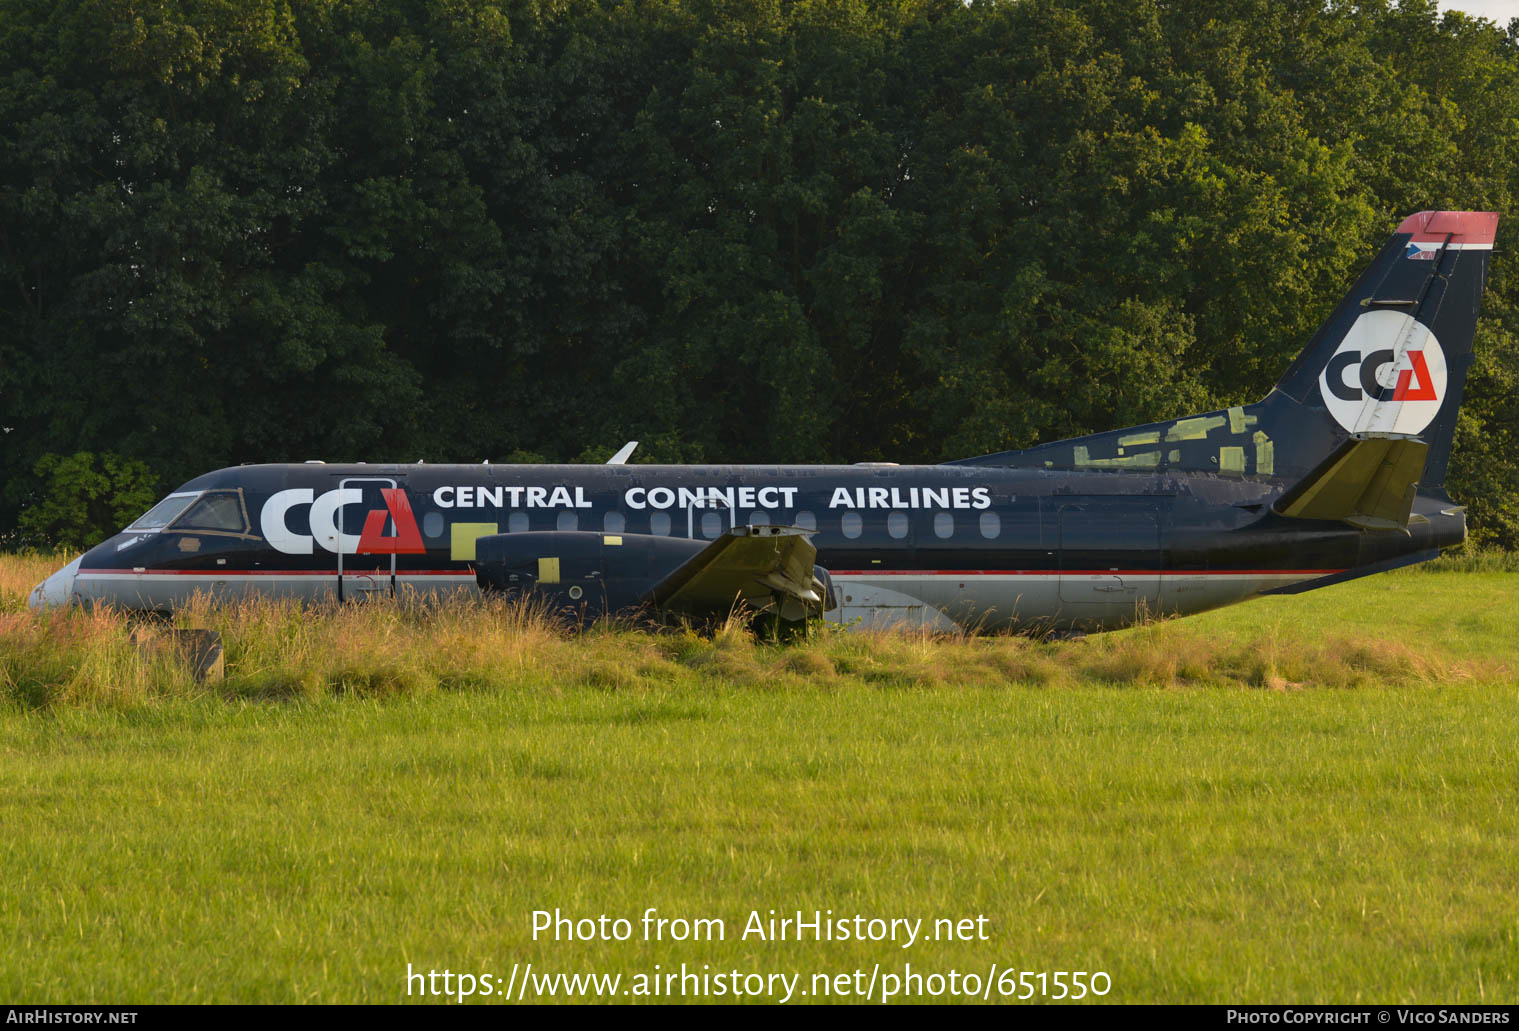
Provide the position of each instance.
(911, 497)
(329, 530)
(769, 498)
(639, 498)
(509, 497)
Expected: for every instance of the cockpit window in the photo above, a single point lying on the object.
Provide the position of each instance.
(163, 513)
(217, 512)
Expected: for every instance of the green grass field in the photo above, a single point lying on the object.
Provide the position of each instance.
(1297, 799)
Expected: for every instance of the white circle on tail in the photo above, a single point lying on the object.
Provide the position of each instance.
(1387, 376)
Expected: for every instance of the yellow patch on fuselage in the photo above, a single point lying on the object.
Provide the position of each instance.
(1195, 428)
(462, 537)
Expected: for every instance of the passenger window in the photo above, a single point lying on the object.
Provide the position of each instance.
(614, 523)
(567, 521)
(991, 525)
(944, 525)
(712, 525)
(517, 523)
(659, 524)
(851, 524)
(220, 512)
(806, 520)
(896, 525)
(759, 518)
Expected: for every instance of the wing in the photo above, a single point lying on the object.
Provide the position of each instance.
(756, 565)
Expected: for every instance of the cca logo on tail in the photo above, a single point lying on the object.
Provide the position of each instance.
(1388, 375)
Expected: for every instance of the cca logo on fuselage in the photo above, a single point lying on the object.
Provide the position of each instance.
(407, 539)
(1387, 376)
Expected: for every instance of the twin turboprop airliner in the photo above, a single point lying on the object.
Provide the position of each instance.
(1339, 472)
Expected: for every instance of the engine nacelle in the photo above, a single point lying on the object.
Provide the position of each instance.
(591, 574)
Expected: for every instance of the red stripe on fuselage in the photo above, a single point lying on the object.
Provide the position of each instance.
(835, 572)
(1084, 572)
(277, 572)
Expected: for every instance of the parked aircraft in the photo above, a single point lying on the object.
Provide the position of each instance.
(1336, 474)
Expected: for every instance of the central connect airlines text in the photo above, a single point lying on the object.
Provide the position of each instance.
(639, 498)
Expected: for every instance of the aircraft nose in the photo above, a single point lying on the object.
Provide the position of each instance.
(57, 589)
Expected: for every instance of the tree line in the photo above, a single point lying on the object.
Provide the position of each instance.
(736, 230)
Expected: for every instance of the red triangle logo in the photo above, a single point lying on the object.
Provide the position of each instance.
(1425, 391)
(408, 539)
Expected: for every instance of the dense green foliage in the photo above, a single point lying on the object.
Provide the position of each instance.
(238, 230)
(85, 498)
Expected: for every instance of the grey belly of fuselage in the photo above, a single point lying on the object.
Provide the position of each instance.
(962, 602)
(1038, 600)
(169, 592)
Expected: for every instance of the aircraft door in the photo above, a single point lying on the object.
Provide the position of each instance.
(369, 537)
(1110, 556)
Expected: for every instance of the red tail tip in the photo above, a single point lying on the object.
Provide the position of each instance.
(1464, 227)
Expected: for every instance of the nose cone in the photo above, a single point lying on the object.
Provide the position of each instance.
(57, 589)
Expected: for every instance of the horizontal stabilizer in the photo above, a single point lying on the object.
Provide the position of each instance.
(752, 564)
(1369, 482)
(1396, 562)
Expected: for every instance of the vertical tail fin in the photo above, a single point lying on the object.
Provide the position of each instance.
(1392, 359)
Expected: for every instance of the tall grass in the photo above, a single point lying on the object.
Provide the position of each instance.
(20, 573)
(284, 650)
